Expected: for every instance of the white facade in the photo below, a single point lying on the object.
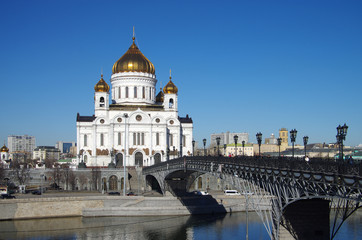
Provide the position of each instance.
(137, 124)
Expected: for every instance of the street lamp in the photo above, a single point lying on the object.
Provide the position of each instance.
(305, 141)
(193, 147)
(125, 154)
(224, 150)
(341, 136)
(243, 143)
(279, 143)
(218, 144)
(204, 141)
(293, 136)
(236, 142)
(168, 153)
(259, 137)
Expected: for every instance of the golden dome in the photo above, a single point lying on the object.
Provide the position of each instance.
(133, 61)
(101, 86)
(170, 88)
(160, 95)
(4, 149)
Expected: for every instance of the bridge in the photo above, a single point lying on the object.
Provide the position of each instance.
(301, 194)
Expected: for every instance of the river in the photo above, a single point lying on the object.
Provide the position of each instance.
(211, 227)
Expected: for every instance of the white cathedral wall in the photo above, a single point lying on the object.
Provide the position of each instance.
(110, 131)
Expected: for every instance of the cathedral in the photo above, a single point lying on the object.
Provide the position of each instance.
(136, 127)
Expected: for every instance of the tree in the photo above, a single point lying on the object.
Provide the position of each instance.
(71, 179)
(20, 173)
(83, 180)
(57, 176)
(2, 174)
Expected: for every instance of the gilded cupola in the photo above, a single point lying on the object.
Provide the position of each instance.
(160, 95)
(4, 149)
(133, 61)
(170, 88)
(101, 86)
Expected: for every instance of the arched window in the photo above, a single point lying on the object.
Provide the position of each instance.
(119, 160)
(143, 92)
(157, 158)
(135, 92)
(119, 92)
(170, 103)
(139, 159)
(126, 92)
(157, 139)
(119, 138)
(101, 102)
(85, 140)
(102, 139)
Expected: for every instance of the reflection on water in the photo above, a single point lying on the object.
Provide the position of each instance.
(147, 228)
(153, 228)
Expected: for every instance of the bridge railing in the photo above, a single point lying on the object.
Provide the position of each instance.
(322, 165)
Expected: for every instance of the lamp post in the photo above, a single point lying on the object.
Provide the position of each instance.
(293, 136)
(236, 143)
(218, 144)
(125, 154)
(168, 153)
(224, 150)
(259, 137)
(341, 136)
(243, 143)
(279, 143)
(204, 141)
(305, 141)
(174, 152)
(193, 147)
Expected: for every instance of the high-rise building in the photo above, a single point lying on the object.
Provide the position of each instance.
(228, 138)
(65, 147)
(21, 143)
(138, 127)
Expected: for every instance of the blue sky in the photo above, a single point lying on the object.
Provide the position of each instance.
(240, 66)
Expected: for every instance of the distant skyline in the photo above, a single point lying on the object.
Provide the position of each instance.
(240, 66)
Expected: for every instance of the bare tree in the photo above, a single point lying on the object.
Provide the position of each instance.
(20, 173)
(49, 163)
(2, 174)
(83, 180)
(57, 176)
(71, 179)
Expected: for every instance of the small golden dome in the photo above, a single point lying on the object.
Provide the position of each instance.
(4, 149)
(133, 61)
(170, 87)
(160, 95)
(101, 86)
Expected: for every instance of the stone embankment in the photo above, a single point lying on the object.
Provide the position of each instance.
(94, 206)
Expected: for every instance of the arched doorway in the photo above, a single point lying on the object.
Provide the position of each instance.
(199, 183)
(139, 159)
(113, 183)
(157, 158)
(104, 180)
(119, 160)
(122, 183)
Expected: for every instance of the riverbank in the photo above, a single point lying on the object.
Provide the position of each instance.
(103, 205)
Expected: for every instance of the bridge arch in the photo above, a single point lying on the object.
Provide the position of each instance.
(153, 183)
